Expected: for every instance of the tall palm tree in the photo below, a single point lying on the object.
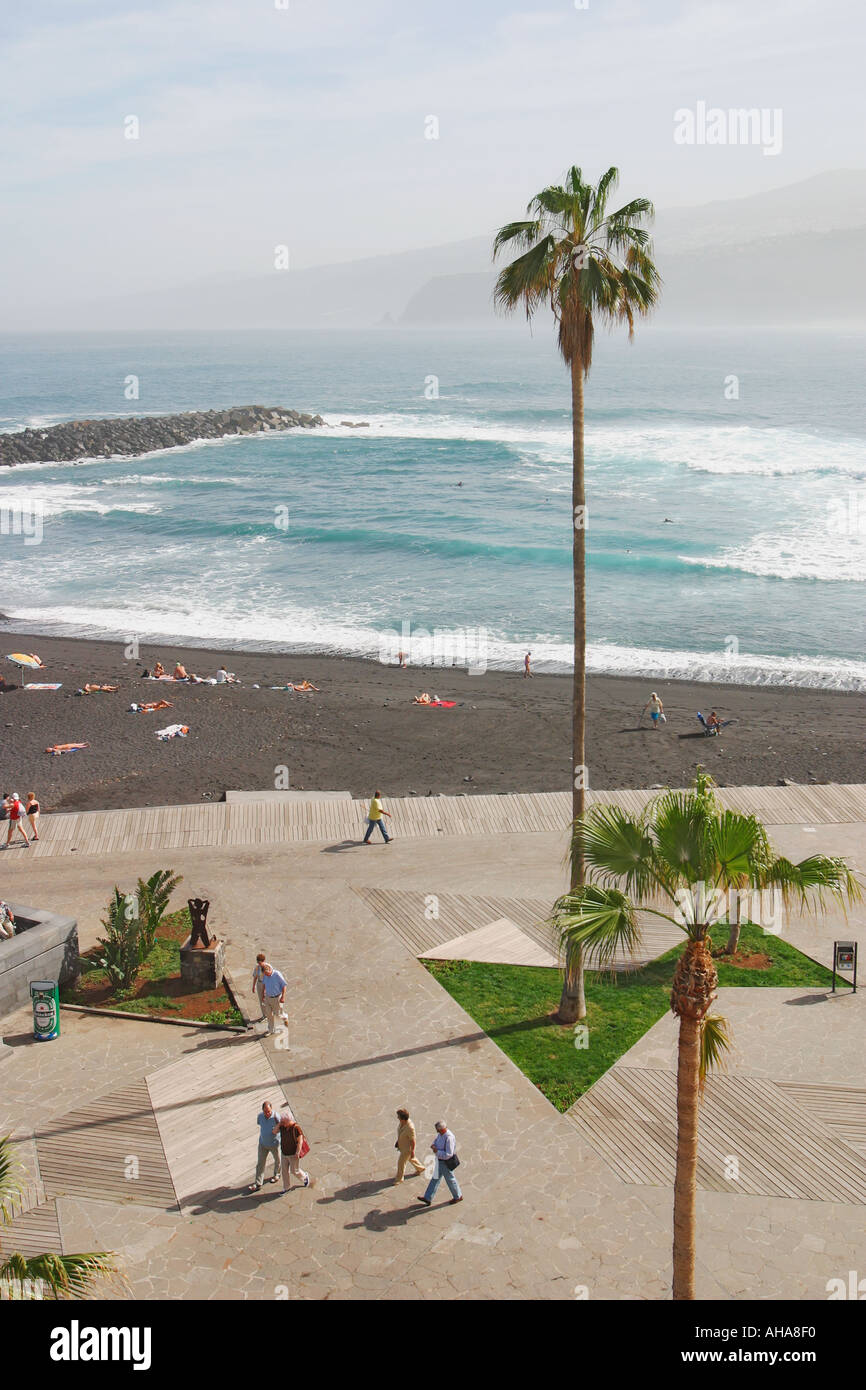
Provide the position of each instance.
(588, 266)
(684, 851)
(63, 1276)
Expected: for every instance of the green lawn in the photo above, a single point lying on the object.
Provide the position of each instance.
(514, 1004)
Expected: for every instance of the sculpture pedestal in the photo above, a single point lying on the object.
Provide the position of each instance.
(202, 967)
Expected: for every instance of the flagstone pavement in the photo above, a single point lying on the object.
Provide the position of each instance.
(546, 1214)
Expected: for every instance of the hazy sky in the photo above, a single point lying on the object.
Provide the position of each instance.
(305, 125)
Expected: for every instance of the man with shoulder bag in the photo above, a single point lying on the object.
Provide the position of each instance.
(444, 1146)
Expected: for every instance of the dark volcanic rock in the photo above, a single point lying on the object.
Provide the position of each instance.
(142, 434)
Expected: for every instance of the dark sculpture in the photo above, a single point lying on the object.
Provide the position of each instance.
(198, 910)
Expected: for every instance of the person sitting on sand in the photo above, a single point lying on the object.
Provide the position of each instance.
(224, 677)
(304, 685)
(32, 809)
(158, 670)
(714, 722)
(423, 699)
(180, 673)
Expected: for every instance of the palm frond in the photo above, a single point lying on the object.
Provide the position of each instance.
(600, 920)
(523, 233)
(527, 279)
(64, 1276)
(715, 1042)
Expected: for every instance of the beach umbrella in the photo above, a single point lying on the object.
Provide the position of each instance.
(26, 661)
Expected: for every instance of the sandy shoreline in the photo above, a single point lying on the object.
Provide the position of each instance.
(362, 730)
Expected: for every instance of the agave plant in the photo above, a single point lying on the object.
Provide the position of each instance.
(676, 860)
(62, 1276)
(588, 266)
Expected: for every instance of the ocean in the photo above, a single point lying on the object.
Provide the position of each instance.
(726, 480)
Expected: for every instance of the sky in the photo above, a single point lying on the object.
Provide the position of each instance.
(303, 123)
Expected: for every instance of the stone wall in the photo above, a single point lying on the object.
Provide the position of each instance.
(44, 947)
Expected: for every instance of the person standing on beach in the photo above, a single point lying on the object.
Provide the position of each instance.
(374, 818)
(406, 1146)
(275, 986)
(33, 813)
(16, 818)
(527, 669)
(444, 1147)
(656, 709)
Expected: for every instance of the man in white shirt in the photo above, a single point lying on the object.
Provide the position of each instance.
(444, 1147)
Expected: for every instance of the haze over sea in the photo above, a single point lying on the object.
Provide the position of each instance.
(727, 537)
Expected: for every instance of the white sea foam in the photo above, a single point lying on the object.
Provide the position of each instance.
(812, 553)
(308, 631)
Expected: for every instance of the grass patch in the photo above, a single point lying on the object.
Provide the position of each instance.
(514, 1005)
(158, 989)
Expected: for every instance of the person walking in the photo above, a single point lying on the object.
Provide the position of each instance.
(268, 1121)
(258, 985)
(374, 817)
(33, 813)
(656, 709)
(406, 1140)
(293, 1146)
(444, 1147)
(16, 819)
(275, 986)
(527, 668)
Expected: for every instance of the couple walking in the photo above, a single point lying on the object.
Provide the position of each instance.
(270, 988)
(281, 1138)
(444, 1148)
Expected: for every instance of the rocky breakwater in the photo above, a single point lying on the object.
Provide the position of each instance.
(142, 434)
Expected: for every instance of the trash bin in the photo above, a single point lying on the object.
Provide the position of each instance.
(45, 997)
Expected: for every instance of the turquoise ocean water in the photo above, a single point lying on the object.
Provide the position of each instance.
(452, 512)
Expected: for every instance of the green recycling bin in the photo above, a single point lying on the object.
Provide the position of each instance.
(45, 997)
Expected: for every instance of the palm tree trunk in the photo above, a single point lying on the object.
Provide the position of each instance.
(685, 1181)
(572, 1005)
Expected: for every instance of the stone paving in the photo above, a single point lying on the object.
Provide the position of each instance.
(545, 1215)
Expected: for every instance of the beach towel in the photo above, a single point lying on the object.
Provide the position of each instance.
(57, 748)
(149, 706)
(173, 731)
(41, 685)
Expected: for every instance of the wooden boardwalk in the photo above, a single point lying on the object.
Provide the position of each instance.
(35, 1232)
(781, 1148)
(110, 1148)
(459, 926)
(205, 1106)
(269, 822)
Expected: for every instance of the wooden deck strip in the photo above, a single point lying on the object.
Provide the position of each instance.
(215, 1094)
(264, 822)
(782, 1149)
(88, 1152)
(34, 1232)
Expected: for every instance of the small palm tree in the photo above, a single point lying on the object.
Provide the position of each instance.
(63, 1276)
(685, 850)
(588, 266)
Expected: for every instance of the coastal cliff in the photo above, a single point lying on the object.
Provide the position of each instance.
(129, 435)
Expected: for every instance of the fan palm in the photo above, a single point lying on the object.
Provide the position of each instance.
(63, 1276)
(686, 852)
(588, 266)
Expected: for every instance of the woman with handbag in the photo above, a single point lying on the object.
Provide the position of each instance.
(293, 1147)
(406, 1146)
(444, 1147)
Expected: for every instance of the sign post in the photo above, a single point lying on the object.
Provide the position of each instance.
(45, 998)
(845, 961)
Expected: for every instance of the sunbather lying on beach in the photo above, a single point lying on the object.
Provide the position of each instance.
(57, 748)
(93, 689)
(304, 685)
(149, 706)
(423, 699)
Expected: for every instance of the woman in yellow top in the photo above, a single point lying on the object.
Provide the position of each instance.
(406, 1146)
(374, 818)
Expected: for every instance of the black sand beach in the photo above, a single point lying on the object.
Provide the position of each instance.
(362, 731)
